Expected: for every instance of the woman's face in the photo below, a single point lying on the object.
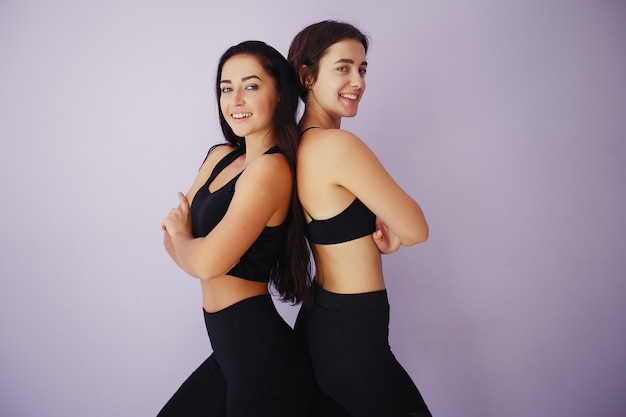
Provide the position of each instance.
(248, 96)
(340, 80)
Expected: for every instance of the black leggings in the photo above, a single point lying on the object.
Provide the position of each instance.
(258, 368)
(357, 374)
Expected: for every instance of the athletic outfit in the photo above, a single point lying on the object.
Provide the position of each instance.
(258, 367)
(348, 339)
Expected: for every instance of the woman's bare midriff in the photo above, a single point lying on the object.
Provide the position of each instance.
(349, 268)
(226, 290)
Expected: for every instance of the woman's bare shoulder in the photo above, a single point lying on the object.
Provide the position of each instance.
(267, 169)
(330, 141)
(215, 154)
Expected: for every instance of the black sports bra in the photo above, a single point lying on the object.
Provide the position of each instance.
(208, 209)
(354, 222)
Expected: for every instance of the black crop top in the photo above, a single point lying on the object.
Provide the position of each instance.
(208, 209)
(354, 222)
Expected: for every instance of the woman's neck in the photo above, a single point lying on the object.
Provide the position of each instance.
(315, 115)
(257, 145)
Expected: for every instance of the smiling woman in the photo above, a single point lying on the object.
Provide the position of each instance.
(248, 96)
(243, 230)
(344, 190)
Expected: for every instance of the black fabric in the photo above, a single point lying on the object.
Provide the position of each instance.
(258, 367)
(347, 339)
(208, 209)
(352, 223)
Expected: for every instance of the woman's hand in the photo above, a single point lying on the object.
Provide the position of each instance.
(386, 240)
(178, 220)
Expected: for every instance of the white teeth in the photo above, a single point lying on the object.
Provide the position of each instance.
(349, 96)
(241, 115)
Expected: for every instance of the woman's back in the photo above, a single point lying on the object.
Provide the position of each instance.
(344, 263)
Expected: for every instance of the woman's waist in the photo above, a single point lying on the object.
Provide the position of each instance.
(244, 326)
(348, 273)
(225, 291)
(355, 301)
(350, 283)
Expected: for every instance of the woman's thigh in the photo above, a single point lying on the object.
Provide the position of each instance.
(202, 394)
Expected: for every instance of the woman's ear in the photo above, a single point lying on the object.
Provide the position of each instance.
(305, 77)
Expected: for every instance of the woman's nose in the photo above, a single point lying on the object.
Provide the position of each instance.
(356, 80)
(236, 98)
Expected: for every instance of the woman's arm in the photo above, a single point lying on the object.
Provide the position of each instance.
(357, 169)
(262, 196)
(214, 155)
(169, 246)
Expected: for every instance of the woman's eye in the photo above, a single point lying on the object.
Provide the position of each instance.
(342, 69)
(252, 87)
(363, 71)
(226, 90)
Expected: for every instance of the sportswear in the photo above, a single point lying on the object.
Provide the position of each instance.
(258, 367)
(355, 369)
(208, 208)
(352, 223)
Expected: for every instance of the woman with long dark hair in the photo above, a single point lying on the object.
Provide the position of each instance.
(344, 190)
(238, 228)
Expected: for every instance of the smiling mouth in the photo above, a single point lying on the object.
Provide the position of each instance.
(349, 96)
(240, 115)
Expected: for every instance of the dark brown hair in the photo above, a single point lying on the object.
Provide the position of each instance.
(310, 45)
(291, 276)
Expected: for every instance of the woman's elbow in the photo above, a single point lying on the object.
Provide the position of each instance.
(208, 271)
(419, 235)
(202, 271)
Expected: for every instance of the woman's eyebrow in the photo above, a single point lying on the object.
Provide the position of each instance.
(348, 61)
(243, 79)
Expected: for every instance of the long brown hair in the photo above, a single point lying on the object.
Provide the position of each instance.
(291, 275)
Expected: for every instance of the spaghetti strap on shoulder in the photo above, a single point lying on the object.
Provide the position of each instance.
(273, 149)
(308, 128)
(225, 161)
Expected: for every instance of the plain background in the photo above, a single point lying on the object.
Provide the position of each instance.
(506, 120)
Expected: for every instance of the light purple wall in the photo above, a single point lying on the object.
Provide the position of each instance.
(505, 120)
